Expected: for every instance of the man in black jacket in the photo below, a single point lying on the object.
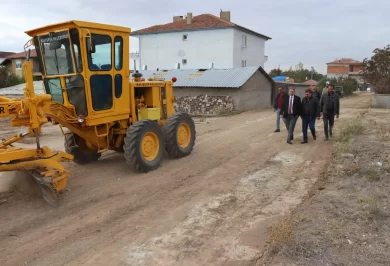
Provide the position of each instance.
(329, 108)
(315, 93)
(310, 111)
(290, 112)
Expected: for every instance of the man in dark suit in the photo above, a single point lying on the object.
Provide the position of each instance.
(292, 107)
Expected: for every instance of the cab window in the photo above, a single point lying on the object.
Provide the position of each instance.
(100, 60)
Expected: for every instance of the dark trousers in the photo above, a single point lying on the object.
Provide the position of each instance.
(290, 122)
(308, 121)
(328, 122)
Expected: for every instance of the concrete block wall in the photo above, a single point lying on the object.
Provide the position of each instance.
(299, 88)
(255, 93)
(381, 101)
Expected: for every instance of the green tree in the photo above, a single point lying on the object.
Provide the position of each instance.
(376, 70)
(7, 78)
(298, 73)
(275, 72)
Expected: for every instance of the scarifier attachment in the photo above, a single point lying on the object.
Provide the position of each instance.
(41, 162)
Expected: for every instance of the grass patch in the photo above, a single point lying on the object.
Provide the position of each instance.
(383, 131)
(373, 208)
(372, 174)
(341, 147)
(351, 128)
(284, 233)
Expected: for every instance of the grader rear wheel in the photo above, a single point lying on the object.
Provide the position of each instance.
(180, 135)
(144, 146)
(76, 146)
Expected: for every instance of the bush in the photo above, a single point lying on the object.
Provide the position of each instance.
(7, 78)
(349, 85)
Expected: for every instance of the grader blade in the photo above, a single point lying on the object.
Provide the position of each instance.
(43, 164)
(49, 193)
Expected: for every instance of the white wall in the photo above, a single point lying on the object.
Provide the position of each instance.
(135, 61)
(223, 47)
(253, 53)
(163, 50)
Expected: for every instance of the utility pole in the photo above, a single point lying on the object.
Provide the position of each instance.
(311, 70)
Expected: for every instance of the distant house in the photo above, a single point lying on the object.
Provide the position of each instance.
(15, 62)
(200, 42)
(3, 56)
(207, 91)
(312, 83)
(345, 67)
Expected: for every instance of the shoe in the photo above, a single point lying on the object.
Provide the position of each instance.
(289, 142)
(304, 142)
(278, 130)
(330, 134)
(314, 137)
(326, 138)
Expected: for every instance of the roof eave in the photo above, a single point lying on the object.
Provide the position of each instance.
(74, 24)
(252, 32)
(135, 33)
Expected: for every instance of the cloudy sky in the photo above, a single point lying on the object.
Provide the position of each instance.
(309, 31)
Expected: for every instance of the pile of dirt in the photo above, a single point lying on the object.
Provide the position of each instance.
(348, 221)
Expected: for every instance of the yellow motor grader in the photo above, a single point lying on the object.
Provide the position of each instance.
(89, 93)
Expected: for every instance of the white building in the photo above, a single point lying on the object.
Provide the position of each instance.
(200, 42)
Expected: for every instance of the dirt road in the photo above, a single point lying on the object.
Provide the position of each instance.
(211, 208)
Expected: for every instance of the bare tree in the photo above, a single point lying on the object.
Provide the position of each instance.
(376, 70)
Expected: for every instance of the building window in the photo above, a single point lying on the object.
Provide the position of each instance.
(184, 61)
(243, 41)
(185, 37)
(350, 68)
(243, 63)
(18, 64)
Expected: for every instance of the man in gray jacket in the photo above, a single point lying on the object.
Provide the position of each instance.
(329, 107)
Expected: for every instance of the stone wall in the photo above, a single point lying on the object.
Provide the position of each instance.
(204, 104)
(255, 93)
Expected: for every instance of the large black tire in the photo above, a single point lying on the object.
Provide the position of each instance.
(175, 132)
(144, 146)
(81, 153)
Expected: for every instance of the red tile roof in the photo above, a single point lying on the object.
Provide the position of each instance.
(344, 61)
(33, 53)
(204, 21)
(5, 54)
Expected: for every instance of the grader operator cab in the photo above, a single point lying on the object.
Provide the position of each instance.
(86, 76)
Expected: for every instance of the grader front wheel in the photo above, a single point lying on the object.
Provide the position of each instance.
(180, 135)
(144, 146)
(76, 146)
